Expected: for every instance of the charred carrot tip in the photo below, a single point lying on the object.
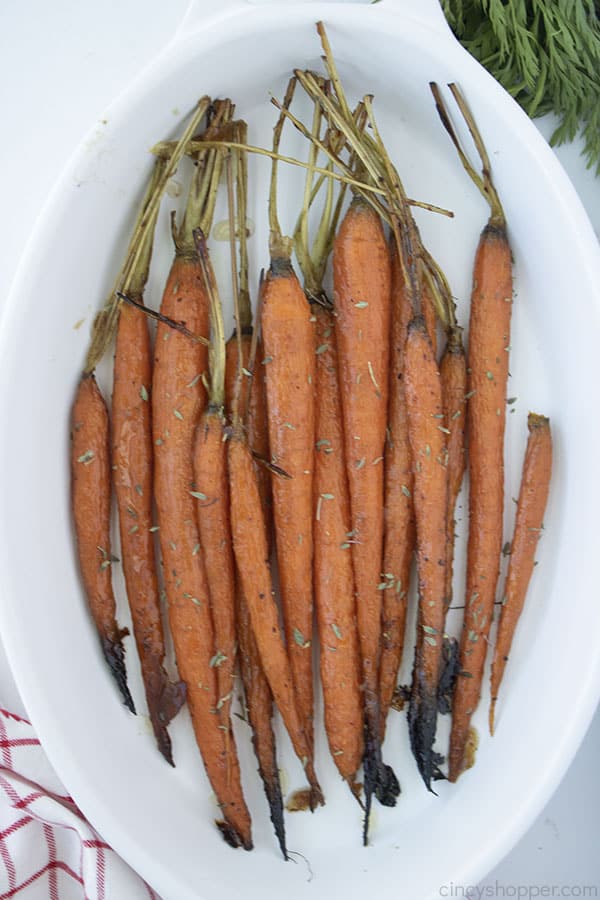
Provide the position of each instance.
(275, 801)
(231, 836)
(114, 654)
(166, 706)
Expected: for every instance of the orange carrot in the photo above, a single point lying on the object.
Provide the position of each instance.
(430, 315)
(91, 491)
(533, 496)
(259, 699)
(399, 514)
(252, 397)
(489, 344)
(178, 398)
(246, 408)
(430, 494)
(252, 401)
(334, 578)
(259, 709)
(289, 364)
(453, 372)
(251, 554)
(132, 458)
(362, 287)
(211, 491)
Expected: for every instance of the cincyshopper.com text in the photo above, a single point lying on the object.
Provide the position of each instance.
(519, 891)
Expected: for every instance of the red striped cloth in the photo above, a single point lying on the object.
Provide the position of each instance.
(47, 848)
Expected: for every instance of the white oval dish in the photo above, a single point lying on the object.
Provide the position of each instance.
(160, 819)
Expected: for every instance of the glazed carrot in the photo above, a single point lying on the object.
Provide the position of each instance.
(333, 574)
(453, 373)
(178, 398)
(289, 365)
(399, 539)
(533, 496)
(430, 495)
(132, 460)
(90, 498)
(251, 554)
(362, 288)
(211, 492)
(488, 353)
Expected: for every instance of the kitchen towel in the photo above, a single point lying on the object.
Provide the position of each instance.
(48, 851)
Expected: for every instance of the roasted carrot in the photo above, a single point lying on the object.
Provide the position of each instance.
(289, 364)
(252, 396)
(96, 483)
(488, 353)
(259, 709)
(251, 553)
(246, 407)
(362, 289)
(335, 602)
(288, 341)
(252, 399)
(132, 459)
(399, 539)
(211, 492)
(178, 397)
(533, 496)
(333, 574)
(430, 494)
(430, 316)
(453, 372)
(90, 498)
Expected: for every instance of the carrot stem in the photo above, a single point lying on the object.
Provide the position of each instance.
(105, 324)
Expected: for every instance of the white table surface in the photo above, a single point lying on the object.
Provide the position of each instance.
(61, 63)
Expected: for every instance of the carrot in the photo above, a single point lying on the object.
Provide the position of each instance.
(430, 493)
(211, 491)
(333, 573)
(178, 396)
(533, 496)
(259, 709)
(399, 537)
(252, 398)
(90, 499)
(251, 553)
(241, 393)
(340, 664)
(453, 373)
(289, 364)
(288, 340)
(163, 699)
(132, 459)
(430, 315)
(362, 288)
(488, 353)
